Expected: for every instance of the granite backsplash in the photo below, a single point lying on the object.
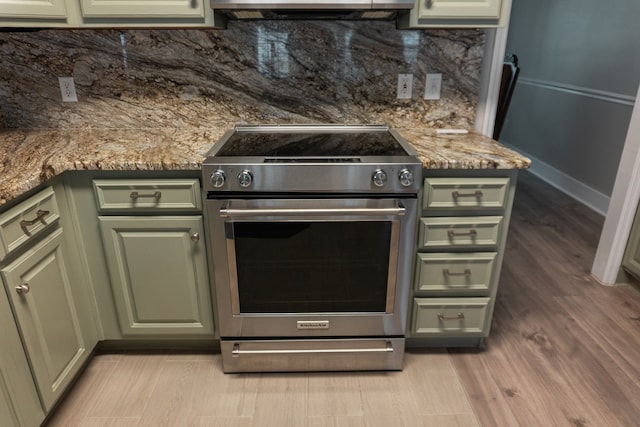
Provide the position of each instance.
(268, 72)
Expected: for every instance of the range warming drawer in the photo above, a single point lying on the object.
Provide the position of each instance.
(312, 355)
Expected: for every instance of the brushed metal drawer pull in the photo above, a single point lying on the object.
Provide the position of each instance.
(459, 316)
(135, 195)
(453, 234)
(457, 194)
(447, 273)
(40, 214)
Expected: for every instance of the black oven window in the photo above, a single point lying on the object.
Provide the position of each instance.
(312, 267)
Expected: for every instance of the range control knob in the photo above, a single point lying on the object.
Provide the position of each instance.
(217, 178)
(406, 177)
(245, 178)
(379, 178)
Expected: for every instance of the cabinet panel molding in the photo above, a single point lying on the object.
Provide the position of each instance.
(158, 274)
(47, 316)
(40, 9)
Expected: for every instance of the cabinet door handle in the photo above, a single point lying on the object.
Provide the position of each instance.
(135, 195)
(471, 233)
(447, 273)
(459, 316)
(195, 237)
(23, 289)
(457, 194)
(40, 214)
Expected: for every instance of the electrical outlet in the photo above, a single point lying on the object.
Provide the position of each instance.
(432, 86)
(405, 85)
(68, 89)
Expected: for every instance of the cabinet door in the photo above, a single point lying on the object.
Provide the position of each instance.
(170, 9)
(34, 9)
(158, 273)
(46, 315)
(19, 401)
(485, 9)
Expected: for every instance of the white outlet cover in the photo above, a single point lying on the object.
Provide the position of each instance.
(405, 86)
(432, 86)
(68, 89)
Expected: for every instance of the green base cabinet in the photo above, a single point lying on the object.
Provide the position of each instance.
(39, 286)
(158, 273)
(19, 402)
(462, 232)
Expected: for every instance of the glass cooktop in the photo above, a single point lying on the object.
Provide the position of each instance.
(311, 144)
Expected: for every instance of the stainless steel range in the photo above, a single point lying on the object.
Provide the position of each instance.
(312, 231)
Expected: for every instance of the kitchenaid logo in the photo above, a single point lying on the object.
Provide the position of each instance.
(313, 324)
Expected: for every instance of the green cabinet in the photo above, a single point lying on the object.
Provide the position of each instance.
(457, 13)
(47, 323)
(38, 284)
(33, 10)
(154, 244)
(19, 402)
(150, 9)
(461, 236)
(158, 271)
(107, 13)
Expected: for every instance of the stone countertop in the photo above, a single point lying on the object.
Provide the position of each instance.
(29, 158)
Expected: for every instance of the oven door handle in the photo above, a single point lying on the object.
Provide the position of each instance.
(226, 211)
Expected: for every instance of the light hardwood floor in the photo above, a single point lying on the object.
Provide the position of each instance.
(563, 351)
(191, 390)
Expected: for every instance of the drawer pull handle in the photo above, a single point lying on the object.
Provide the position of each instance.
(457, 194)
(453, 234)
(195, 237)
(40, 214)
(447, 273)
(156, 195)
(459, 316)
(23, 289)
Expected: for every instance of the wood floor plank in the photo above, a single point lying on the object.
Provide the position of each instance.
(337, 395)
(127, 392)
(432, 385)
(107, 422)
(281, 399)
(336, 421)
(217, 394)
(220, 422)
(170, 400)
(85, 392)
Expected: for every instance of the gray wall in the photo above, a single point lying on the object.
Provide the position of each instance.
(579, 75)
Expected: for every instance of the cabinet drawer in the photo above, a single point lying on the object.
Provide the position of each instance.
(450, 316)
(454, 273)
(465, 193)
(148, 195)
(463, 232)
(27, 220)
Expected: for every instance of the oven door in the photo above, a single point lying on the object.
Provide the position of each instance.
(312, 267)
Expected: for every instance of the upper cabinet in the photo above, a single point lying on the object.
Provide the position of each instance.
(106, 13)
(39, 9)
(33, 13)
(456, 14)
(148, 9)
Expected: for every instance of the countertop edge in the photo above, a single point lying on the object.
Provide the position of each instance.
(29, 158)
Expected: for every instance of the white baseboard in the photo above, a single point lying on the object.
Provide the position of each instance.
(572, 187)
